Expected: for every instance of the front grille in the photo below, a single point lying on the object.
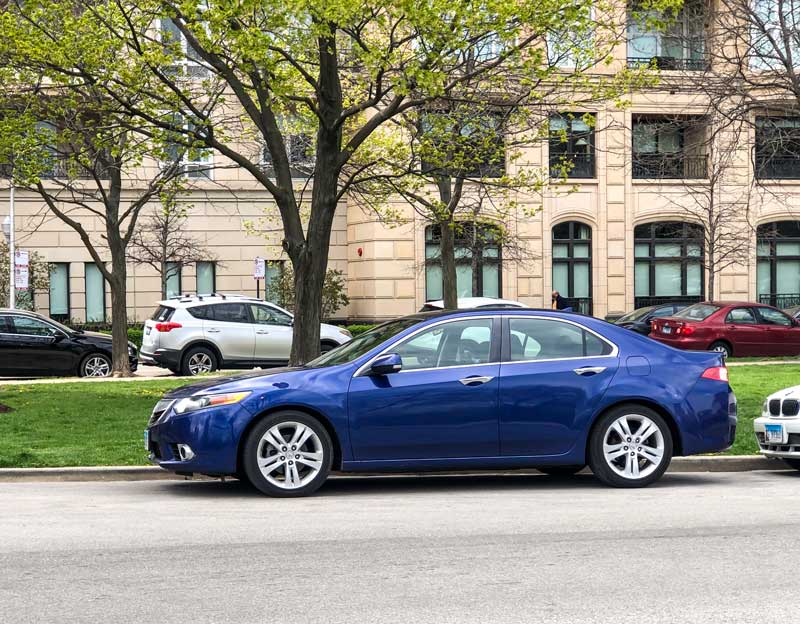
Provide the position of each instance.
(158, 411)
(775, 407)
(791, 407)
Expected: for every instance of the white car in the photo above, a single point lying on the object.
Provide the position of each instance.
(200, 334)
(778, 429)
(465, 303)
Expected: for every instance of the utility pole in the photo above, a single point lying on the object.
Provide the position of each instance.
(12, 290)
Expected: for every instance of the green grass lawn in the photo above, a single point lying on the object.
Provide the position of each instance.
(95, 424)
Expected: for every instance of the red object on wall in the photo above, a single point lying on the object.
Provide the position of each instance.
(360, 252)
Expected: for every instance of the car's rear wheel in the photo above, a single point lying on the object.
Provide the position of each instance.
(720, 346)
(197, 361)
(630, 446)
(288, 454)
(561, 471)
(95, 365)
(326, 346)
(792, 463)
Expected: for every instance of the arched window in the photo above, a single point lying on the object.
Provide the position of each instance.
(668, 265)
(478, 261)
(572, 264)
(779, 263)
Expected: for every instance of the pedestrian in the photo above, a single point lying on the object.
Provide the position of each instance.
(559, 303)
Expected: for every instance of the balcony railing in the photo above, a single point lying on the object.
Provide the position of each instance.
(676, 166)
(572, 165)
(782, 301)
(60, 169)
(777, 167)
(582, 305)
(643, 302)
(668, 63)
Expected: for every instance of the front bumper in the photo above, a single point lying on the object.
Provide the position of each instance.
(790, 444)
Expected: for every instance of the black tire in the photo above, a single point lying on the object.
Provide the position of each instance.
(253, 451)
(602, 468)
(95, 365)
(792, 463)
(324, 347)
(200, 360)
(561, 471)
(174, 370)
(723, 347)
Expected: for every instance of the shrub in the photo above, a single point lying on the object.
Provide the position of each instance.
(359, 328)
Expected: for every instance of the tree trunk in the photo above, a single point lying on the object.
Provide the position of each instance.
(447, 251)
(119, 316)
(163, 279)
(712, 274)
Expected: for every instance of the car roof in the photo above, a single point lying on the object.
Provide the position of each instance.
(432, 314)
(468, 303)
(188, 301)
(23, 313)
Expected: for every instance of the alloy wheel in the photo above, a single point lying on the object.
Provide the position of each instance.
(200, 363)
(290, 455)
(633, 446)
(97, 366)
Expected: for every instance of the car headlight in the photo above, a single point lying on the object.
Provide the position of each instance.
(194, 403)
(345, 332)
(765, 407)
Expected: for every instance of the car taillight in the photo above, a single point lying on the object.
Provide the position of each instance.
(716, 373)
(685, 330)
(167, 327)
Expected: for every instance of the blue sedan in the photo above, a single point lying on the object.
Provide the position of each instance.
(479, 389)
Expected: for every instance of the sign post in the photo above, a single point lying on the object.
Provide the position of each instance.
(259, 273)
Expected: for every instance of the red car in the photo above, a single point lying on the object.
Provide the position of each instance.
(739, 329)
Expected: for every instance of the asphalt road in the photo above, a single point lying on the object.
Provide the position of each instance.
(711, 547)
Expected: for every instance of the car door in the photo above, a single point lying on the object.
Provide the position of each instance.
(7, 344)
(38, 348)
(232, 331)
(442, 404)
(743, 331)
(782, 334)
(552, 376)
(273, 333)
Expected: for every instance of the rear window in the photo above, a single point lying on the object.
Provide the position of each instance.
(205, 312)
(162, 313)
(697, 312)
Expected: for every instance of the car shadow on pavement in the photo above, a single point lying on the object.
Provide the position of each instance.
(426, 483)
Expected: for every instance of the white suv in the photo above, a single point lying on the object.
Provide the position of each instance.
(778, 428)
(200, 334)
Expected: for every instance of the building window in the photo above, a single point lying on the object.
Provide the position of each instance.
(95, 294)
(300, 152)
(196, 162)
(777, 150)
(478, 261)
(478, 137)
(668, 148)
(189, 64)
(572, 264)
(778, 273)
(679, 45)
(206, 278)
(572, 145)
(59, 291)
(668, 263)
(172, 279)
(574, 48)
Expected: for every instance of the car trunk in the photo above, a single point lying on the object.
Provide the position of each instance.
(671, 327)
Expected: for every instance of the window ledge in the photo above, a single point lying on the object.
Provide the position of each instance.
(669, 181)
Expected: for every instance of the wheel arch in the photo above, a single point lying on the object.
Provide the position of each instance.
(95, 351)
(202, 343)
(724, 341)
(317, 415)
(677, 442)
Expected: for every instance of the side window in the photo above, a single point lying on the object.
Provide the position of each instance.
(231, 313)
(741, 316)
(662, 312)
(264, 315)
(26, 326)
(773, 317)
(205, 312)
(545, 339)
(5, 325)
(450, 344)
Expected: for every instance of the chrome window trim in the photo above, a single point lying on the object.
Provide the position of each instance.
(614, 348)
(364, 367)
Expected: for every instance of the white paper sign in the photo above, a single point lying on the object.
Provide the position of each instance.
(260, 269)
(21, 270)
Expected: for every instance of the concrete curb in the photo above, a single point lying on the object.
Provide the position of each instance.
(728, 463)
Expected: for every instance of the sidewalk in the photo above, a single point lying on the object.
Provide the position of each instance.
(145, 373)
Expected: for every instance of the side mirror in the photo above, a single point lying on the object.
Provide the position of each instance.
(386, 364)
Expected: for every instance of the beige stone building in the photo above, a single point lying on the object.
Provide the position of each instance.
(622, 232)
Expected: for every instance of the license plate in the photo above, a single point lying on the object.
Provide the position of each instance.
(146, 331)
(774, 433)
(666, 330)
(146, 440)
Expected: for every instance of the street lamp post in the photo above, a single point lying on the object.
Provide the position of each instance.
(8, 232)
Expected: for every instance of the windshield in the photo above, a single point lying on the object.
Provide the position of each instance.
(362, 344)
(636, 314)
(697, 312)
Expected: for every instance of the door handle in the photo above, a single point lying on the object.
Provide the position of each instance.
(214, 330)
(587, 371)
(476, 380)
(262, 331)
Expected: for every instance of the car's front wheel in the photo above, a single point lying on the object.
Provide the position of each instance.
(288, 454)
(95, 365)
(792, 463)
(630, 446)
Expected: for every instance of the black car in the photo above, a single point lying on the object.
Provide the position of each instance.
(639, 320)
(32, 345)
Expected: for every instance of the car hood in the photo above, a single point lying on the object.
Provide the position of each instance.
(95, 337)
(786, 393)
(229, 383)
